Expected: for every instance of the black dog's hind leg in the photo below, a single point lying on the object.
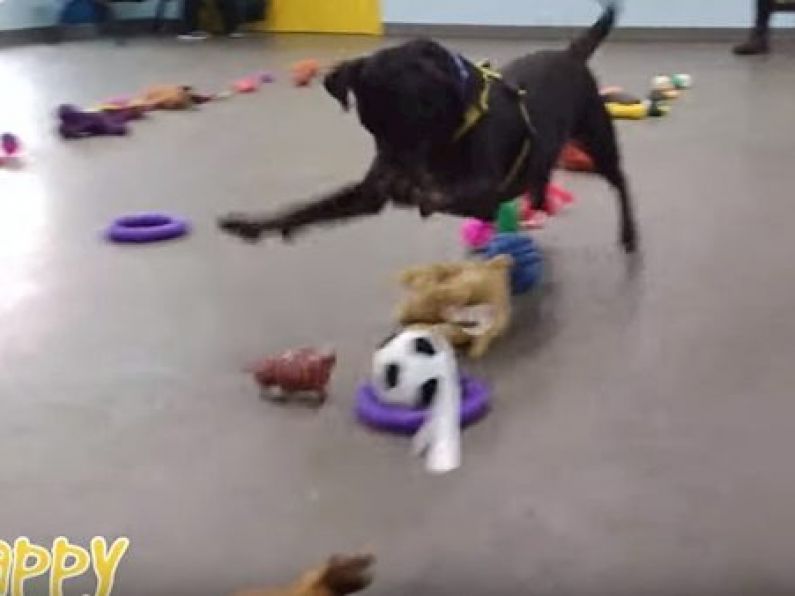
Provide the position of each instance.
(598, 136)
(540, 168)
(348, 202)
(537, 186)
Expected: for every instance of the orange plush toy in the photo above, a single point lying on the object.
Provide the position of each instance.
(305, 71)
(340, 575)
(575, 159)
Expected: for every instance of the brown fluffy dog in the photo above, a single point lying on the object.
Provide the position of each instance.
(339, 576)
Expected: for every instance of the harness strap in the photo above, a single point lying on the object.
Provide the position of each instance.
(478, 109)
(524, 152)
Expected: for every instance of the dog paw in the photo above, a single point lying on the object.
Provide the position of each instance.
(242, 227)
(629, 240)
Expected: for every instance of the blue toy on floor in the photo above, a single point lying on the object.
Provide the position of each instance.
(527, 259)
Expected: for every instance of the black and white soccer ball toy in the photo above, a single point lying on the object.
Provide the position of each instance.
(411, 367)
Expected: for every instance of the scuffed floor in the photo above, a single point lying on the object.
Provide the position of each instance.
(642, 424)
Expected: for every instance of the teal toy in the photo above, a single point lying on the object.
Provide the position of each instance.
(682, 81)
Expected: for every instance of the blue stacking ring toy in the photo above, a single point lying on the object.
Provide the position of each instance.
(528, 262)
(146, 227)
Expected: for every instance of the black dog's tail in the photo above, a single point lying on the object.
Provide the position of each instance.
(584, 46)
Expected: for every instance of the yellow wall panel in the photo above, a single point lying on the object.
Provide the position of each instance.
(325, 16)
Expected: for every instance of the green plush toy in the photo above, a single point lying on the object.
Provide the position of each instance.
(508, 217)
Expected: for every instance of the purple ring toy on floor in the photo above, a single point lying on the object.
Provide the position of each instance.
(146, 227)
(371, 411)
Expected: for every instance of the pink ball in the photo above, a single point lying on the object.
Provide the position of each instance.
(476, 233)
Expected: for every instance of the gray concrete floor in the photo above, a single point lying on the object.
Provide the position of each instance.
(642, 425)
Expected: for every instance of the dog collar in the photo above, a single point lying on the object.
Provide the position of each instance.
(463, 72)
(476, 111)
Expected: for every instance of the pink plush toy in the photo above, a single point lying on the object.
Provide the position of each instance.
(247, 85)
(476, 234)
(557, 199)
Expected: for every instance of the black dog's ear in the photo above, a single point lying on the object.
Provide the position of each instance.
(342, 80)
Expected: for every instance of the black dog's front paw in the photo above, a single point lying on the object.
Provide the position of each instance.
(629, 239)
(242, 227)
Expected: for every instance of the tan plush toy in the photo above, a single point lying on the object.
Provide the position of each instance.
(469, 302)
(167, 97)
(339, 576)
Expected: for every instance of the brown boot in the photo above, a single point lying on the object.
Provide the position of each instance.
(757, 43)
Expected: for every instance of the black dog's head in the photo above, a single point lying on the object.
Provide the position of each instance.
(409, 97)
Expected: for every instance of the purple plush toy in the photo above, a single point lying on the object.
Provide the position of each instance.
(10, 144)
(10, 148)
(77, 124)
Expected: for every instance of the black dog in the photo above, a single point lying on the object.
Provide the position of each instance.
(458, 138)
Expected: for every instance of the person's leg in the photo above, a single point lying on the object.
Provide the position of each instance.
(758, 42)
(190, 16)
(190, 20)
(229, 14)
(764, 10)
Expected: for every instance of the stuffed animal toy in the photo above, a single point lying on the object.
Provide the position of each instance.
(247, 85)
(574, 158)
(469, 302)
(168, 97)
(340, 575)
(665, 86)
(618, 96)
(305, 370)
(76, 123)
(640, 111)
(304, 72)
(10, 147)
(528, 262)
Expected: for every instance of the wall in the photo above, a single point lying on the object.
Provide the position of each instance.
(637, 13)
(23, 14)
(20, 14)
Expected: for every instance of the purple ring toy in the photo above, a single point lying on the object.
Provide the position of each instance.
(146, 227)
(371, 411)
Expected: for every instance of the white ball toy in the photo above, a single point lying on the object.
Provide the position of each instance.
(408, 369)
(417, 368)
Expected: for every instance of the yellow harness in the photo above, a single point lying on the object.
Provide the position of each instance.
(481, 107)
